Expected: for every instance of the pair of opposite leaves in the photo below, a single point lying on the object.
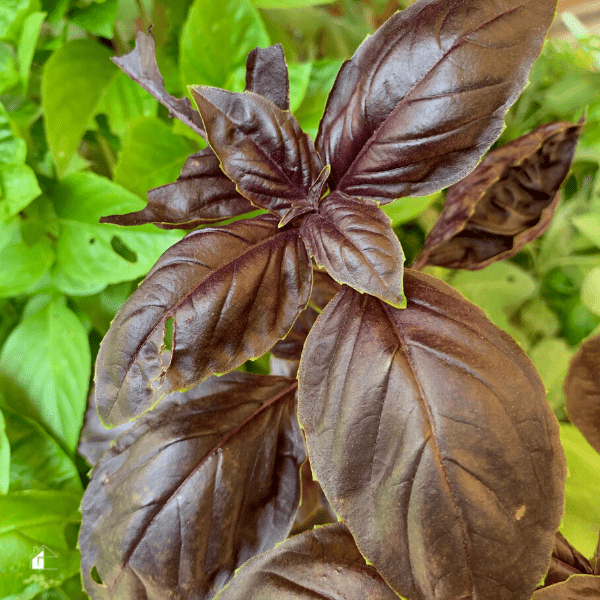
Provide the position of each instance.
(234, 290)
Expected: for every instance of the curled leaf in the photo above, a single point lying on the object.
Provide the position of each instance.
(354, 241)
(261, 147)
(565, 561)
(506, 202)
(321, 563)
(232, 292)
(424, 97)
(141, 66)
(202, 194)
(429, 432)
(582, 390)
(577, 587)
(194, 489)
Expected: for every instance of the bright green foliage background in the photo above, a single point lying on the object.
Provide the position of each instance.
(79, 140)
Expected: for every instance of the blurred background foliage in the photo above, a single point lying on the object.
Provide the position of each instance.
(79, 140)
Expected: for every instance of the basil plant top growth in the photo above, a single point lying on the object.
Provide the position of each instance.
(426, 426)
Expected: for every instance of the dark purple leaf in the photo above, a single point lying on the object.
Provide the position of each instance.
(429, 431)
(577, 587)
(194, 489)
(140, 65)
(202, 194)
(505, 203)
(267, 75)
(565, 561)
(232, 292)
(95, 439)
(354, 241)
(320, 564)
(582, 391)
(261, 148)
(323, 290)
(425, 96)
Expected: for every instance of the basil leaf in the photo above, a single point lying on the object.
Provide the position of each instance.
(233, 450)
(218, 285)
(452, 478)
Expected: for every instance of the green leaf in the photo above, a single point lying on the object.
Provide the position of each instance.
(74, 82)
(152, 155)
(299, 74)
(27, 43)
(589, 226)
(9, 76)
(22, 264)
(216, 39)
(551, 357)
(321, 80)
(91, 255)
(124, 103)
(18, 187)
(404, 210)
(269, 4)
(69, 590)
(582, 511)
(13, 149)
(498, 290)
(32, 519)
(4, 456)
(11, 12)
(97, 18)
(38, 461)
(590, 290)
(48, 356)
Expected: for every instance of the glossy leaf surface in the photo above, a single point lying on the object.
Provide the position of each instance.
(324, 288)
(429, 432)
(506, 202)
(582, 390)
(261, 148)
(202, 194)
(322, 563)
(194, 489)
(354, 241)
(140, 64)
(232, 292)
(424, 97)
(577, 587)
(565, 561)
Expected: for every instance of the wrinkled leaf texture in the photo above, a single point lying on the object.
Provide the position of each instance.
(565, 561)
(261, 148)
(203, 193)
(505, 203)
(425, 96)
(232, 292)
(577, 587)
(321, 563)
(582, 391)
(141, 66)
(354, 241)
(429, 432)
(194, 489)
(324, 288)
